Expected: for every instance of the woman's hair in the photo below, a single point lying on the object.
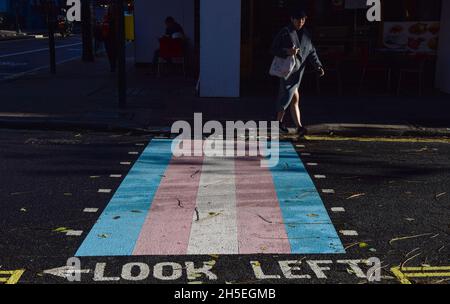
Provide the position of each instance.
(298, 14)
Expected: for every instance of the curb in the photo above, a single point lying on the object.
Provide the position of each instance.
(355, 130)
(364, 130)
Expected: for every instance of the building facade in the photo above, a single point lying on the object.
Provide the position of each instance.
(231, 38)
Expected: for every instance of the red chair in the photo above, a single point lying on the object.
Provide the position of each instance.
(417, 67)
(369, 65)
(171, 51)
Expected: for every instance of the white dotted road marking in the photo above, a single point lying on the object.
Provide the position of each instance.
(74, 233)
(320, 176)
(338, 209)
(133, 153)
(115, 176)
(312, 164)
(90, 210)
(328, 191)
(349, 232)
(125, 163)
(104, 190)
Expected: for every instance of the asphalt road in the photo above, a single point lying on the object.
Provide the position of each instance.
(391, 201)
(31, 55)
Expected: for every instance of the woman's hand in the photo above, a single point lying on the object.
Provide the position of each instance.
(292, 52)
(321, 72)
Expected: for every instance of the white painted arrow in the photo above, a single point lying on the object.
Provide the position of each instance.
(65, 271)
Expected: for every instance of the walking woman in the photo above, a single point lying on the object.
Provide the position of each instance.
(294, 40)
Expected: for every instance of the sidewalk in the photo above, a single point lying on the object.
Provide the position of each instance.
(83, 96)
(13, 35)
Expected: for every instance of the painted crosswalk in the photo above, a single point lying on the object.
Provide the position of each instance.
(199, 205)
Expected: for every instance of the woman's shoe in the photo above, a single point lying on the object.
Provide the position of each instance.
(301, 132)
(283, 128)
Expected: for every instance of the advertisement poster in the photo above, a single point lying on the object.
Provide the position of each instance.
(412, 36)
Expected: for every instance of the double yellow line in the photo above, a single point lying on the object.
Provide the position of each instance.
(11, 276)
(441, 140)
(404, 274)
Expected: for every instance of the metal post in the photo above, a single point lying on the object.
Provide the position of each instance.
(17, 9)
(51, 22)
(86, 28)
(121, 53)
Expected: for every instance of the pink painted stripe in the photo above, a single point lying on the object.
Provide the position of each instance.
(168, 224)
(260, 222)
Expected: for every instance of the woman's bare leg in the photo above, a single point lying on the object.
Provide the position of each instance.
(280, 116)
(295, 110)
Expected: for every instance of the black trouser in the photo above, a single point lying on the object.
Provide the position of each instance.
(110, 47)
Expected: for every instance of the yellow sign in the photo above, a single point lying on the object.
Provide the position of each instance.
(129, 27)
(11, 276)
(403, 274)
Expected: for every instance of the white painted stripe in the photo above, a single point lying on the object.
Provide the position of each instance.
(104, 190)
(14, 76)
(74, 233)
(216, 230)
(320, 176)
(133, 153)
(338, 209)
(328, 191)
(115, 176)
(312, 164)
(140, 145)
(349, 232)
(90, 210)
(125, 163)
(300, 146)
(37, 50)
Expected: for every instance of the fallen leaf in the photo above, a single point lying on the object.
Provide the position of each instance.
(61, 229)
(372, 250)
(103, 236)
(408, 237)
(356, 196)
(410, 219)
(23, 209)
(116, 217)
(313, 215)
(363, 245)
(440, 195)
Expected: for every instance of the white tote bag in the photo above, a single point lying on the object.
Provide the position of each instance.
(282, 67)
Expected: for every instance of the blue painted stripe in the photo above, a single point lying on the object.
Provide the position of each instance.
(306, 219)
(119, 226)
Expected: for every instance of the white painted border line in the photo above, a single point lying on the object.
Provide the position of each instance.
(300, 146)
(133, 153)
(90, 210)
(328, 191)
(312, 164)
(115, 176)
(104, 190)
(125, 163)
(74, 233)
(349, 232)
(318, 176)
(338, 209)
